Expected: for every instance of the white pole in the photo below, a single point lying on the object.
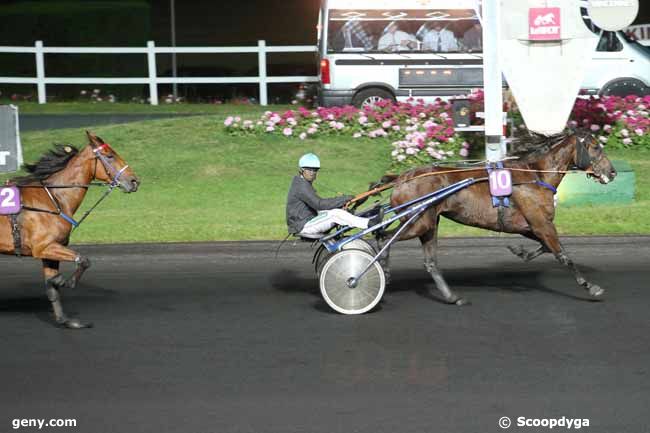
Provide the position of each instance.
(494, 142)
(40, 73)
(153, 85)
(261, 55)
(174, 66)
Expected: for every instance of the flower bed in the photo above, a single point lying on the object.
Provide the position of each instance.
(618, 122)
(419, 132)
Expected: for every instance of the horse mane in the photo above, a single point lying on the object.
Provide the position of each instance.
(530, 145)
(51, 162)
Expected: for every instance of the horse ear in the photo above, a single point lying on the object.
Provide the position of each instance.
(93, 139)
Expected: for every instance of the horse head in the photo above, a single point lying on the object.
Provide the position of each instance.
(110, 167)
(589, 156)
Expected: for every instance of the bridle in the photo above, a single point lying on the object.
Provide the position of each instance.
(108, 167)
(583, 159)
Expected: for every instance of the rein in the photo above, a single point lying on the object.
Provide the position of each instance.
(394, 184)
(582, 155)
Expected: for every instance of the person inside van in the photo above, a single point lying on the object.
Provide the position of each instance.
(393, 39)
(473, 38)
(308, 214)
(439, 39)
(354, 35)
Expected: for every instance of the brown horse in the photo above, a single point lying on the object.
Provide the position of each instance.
(51, 193)
(535, 175)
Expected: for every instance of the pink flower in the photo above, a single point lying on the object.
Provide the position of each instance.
(638, 131)
(287, 131)
(627, 141)
(464, 153)
(595, 127)
(229, 121)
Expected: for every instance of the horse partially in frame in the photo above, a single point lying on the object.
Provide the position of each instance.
(541, 165)
(51, 192)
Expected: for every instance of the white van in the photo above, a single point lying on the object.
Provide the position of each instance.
(620, 66)
(371, 50)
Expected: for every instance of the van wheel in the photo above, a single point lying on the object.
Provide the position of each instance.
(625, 87)
(370, 97)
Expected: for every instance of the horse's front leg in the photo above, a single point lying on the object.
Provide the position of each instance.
(53, 282)
(429, 247)
(60, 252)
(547, 234)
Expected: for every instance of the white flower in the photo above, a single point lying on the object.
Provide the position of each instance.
(595, 127)
(287, 131)
(270, 129)
(401, 158)
(363, 120)
(303, 136)
(638, 131)
(357, 135)
(229, 120)
(602, 139)
(627, 141)
(625, 133)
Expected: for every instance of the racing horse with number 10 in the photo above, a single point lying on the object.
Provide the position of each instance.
(50, 194)
(542, 163)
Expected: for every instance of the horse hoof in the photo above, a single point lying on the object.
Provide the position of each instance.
(75, 324)
(461, 301)
(71, 283)
(596, 291)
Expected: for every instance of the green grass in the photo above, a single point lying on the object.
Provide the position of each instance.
(133, 108)
(200, 184)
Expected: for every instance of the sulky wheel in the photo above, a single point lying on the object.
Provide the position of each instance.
(323, 255)
(341, 292)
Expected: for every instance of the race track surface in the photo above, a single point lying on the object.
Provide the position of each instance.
(223, 337)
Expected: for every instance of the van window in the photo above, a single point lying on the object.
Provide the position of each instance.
(609, 42)
(440, 31)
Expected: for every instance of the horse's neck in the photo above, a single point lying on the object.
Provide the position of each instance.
(558, 158)
(77, 172)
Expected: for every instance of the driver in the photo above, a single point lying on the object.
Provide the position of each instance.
(308, 214)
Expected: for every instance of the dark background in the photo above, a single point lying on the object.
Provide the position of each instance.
(134, 22)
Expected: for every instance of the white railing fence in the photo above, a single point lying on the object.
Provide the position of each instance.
(41, 80)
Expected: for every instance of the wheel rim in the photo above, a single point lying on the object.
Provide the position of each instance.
(357, 244)
(334, 282)
(372, 101)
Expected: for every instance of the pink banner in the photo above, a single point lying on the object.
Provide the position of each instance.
(544, 24)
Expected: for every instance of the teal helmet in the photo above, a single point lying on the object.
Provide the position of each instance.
(309, 160)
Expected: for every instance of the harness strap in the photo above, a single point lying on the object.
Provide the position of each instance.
(546, 185)
(15, 231)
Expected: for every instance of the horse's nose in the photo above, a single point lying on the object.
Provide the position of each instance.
(135, 183)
